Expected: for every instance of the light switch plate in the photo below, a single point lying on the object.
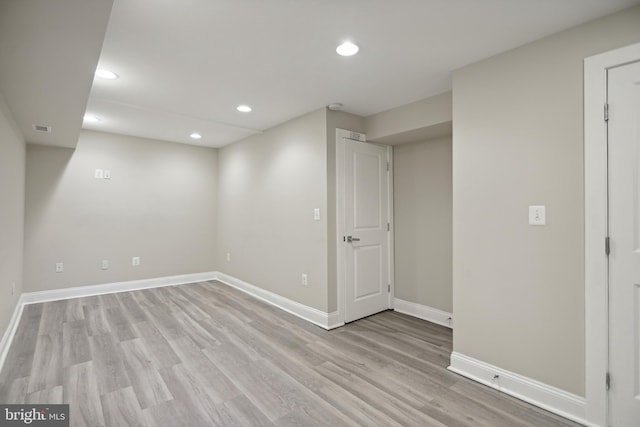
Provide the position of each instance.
(537, 215)
(316, 214)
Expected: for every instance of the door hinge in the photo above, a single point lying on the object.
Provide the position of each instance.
(388, 226)
(387, 166)
(389, 287)
(607, 246)
(608, 381)
(606, 112)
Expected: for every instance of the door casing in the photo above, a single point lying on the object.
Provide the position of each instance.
(341, 227)
(596, 226)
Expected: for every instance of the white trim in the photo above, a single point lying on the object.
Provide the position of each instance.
(110, 288)
(310, 314)
(552, 399)
(7, 338)
(596, 273)
(85, 291)
(341, 267)
(334, 320)
(391, 233)
(424, 312)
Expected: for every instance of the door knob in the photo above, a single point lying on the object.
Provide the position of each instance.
(352, 239)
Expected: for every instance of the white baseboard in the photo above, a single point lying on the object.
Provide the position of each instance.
(423, 312)
(110, 288)
(10, 332)
(547, 397)
(552, 399)
(334, 321)
(310, 314)
(85, 291)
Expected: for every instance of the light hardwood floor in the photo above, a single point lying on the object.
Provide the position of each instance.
(205, 354)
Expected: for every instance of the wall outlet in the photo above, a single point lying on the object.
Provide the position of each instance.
(106, 174)
(105, 264)
(98, 174)
(228, 256)
(305, 279)
(59, 267)
(135, 261)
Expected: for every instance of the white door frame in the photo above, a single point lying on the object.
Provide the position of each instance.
(340, 223)
(596, 220)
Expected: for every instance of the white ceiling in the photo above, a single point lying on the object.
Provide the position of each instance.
(185, 65)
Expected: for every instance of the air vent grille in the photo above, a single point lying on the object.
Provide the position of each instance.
(42, 128)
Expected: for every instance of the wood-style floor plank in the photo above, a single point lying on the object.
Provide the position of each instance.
(107, 363)
(81, 392)
(144, 376)
(206, 354)
(121, 408)
(46, 370)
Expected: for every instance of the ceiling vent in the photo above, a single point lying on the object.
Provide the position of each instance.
(42, 128)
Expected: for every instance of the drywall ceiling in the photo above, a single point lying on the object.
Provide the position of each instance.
(185, 65)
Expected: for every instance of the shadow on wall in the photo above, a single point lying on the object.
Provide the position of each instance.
(49, 179)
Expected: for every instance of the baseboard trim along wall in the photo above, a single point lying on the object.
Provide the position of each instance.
(111, 288)
(7, 338)
(317, 317)
(86, 291)
(423, 312)
(552, 399)
(310, 314)
(542, 395)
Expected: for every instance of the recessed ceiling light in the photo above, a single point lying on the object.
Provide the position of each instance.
(106, 74)
(347, 49)
(195, 135)
(243, 108)
(90, 119)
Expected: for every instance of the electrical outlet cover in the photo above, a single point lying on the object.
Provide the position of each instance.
(537, 215)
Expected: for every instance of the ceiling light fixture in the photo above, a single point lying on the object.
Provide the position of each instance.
(347, 49)
(90, 119)
(243, 108)
(195, 135)
(336, 106)
(106, 74)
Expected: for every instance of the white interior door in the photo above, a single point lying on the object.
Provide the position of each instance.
(624, 232)
(366, 228)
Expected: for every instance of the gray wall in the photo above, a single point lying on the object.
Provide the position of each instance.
(12, 178)
(404, 123)
(160, 205)
(518, 290)
(269, 185)
(422, 177)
